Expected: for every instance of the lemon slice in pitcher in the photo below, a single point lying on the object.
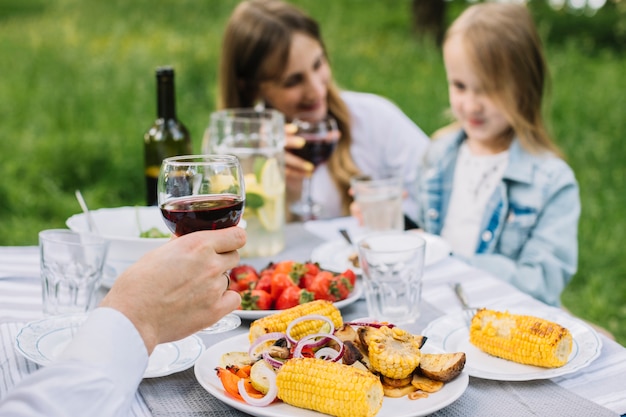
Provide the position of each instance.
(272, 212)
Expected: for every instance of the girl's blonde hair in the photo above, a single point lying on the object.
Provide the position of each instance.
(255, 49)
(506, 53)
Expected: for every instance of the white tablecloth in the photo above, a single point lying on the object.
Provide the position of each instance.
(603, 382)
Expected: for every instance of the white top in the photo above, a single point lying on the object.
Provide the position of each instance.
(96, 375)
(384, 140)
(475, 179)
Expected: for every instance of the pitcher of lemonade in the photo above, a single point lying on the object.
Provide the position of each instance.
(257, 138)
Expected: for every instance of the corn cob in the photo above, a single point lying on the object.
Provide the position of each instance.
(329, 387)
(278, 322)
(393, 352)
(519, 338)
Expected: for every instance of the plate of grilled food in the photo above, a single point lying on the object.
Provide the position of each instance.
(335, 370)
(519, 345)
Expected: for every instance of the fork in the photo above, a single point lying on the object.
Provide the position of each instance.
(468, 312)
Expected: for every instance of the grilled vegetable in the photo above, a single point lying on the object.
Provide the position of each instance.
(278, 322)
(521, 338)
(329, 387)
(393, 352)
(442, 366)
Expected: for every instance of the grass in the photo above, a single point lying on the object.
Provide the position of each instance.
(78, 92)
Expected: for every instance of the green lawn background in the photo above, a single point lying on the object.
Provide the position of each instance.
(77, 92)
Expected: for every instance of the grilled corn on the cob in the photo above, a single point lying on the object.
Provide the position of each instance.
(278, 322)
(521, 338)
(329, 387)
(393, 352)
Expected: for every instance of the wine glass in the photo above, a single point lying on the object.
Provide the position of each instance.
(202, 192)
(320, 137)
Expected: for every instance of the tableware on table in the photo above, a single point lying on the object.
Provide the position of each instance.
(335, 255)
(379, 201)
(257, 138)
(320, 137)
(71, 270)
(393, 264)
(257, 314)
(204, 370)
(202, 192)
(450, 333)
(126, 229)
(93, 228)
(468, 311)
(43, 341)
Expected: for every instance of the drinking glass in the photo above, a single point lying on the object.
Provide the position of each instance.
(393, 264)
(320, 137)
(202, 192)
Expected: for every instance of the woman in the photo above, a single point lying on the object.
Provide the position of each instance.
(273, 55)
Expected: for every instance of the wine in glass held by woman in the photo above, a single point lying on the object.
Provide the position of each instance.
(202, 192)
(320, 137)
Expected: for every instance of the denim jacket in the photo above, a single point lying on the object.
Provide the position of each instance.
(529, 231)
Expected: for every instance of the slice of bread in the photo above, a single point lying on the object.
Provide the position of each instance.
(442, 366)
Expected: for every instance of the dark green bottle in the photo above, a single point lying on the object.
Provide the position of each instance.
(167, 137)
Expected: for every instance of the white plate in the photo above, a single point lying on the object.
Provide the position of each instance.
(257, 314)
(334, 255)
(392, 407)
(43, 341)
(450, 333)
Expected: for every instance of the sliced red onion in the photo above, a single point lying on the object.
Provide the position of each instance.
(262, 339)
(306, 318)
(267, 398)
(329, 353)
(310, 341)
(373, 323)
(273, 362)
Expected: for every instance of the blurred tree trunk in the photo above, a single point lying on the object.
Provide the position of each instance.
(429, 18)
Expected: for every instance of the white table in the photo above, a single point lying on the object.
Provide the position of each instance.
(603, 382)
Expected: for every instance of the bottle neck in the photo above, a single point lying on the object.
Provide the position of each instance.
(166, 105)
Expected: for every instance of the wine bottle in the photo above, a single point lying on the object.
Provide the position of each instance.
(167, 137)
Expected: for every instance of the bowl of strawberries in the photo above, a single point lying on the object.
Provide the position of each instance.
(288, 283)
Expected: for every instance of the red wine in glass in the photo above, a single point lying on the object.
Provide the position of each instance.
(320, 137)
(202, 192)
(315, 150)
(205, 212)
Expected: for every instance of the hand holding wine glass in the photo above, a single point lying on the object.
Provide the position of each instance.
(320, 137)
(202, 192)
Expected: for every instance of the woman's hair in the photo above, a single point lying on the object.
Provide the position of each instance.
(256, 48)
(506, 54)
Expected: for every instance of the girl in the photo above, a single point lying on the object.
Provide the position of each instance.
(496, 189)
(273, 54)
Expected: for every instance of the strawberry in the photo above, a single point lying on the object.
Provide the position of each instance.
(292, 296)
(320, 286)
(326, 286)
(348, 273)
(265, 282)
(278, 283)
(310, 272)
(256, 300)
(242, 276)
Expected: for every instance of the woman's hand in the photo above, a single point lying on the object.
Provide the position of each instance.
(180, 287)
(295, 167)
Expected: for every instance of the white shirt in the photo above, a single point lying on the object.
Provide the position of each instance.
(96, 375)
(475, 179)
(384, 140)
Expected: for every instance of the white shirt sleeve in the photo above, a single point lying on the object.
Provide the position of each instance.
(96, 375)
